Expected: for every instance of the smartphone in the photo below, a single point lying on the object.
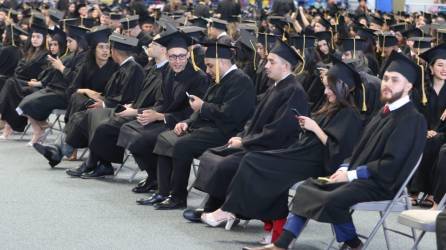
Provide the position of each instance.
(145, 49)
(88, 103)
(324, 180)
(119, 108)
(189, 96)
(295, 111)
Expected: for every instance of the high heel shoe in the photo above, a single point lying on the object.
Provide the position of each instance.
(208, 219)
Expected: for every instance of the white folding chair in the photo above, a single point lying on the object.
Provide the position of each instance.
(59, 114)
(423, 220)
(127, 155)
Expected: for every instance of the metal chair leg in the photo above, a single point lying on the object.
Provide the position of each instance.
(386, 236)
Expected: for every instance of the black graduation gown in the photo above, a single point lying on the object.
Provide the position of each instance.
(103, 142)
(40, 104)
(262, 81)
(423, 180)
(9, 58)
(271, 173)
(272, 126)
(16, 88)
(89, 76)
(174, 104)
(122, 88)
(227, 106)
(390, 147)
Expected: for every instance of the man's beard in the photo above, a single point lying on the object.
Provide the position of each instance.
(395, 96)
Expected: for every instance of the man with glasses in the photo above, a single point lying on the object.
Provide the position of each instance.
(171, 106)
(227, 105)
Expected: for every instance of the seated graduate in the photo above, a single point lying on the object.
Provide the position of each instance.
(103, 145)
(170, 107)
(24, 80)
(221, 114)
(11, 51)
(272, 126)
(38, 106)
(264, 44)
(96, 69)
(121, 89)
(388, 150)
(131, 27)
(432, 104)
(259, 189)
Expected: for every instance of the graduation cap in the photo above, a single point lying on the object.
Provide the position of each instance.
(26, 13)
(58, 35)
(414, 32)
(282, 24)
(37, 19)
(376, 20)
(345, 72)
(247, 39)
(39, 29)
(413, 72)
(195, 32)
(387, 39)
(365, 33)
(286, 52)
(324, 22)
(55, 15)
(302, 42)
(68, 21)
(199, 21)
(217, 23)
(218, 51)
(13, 14)
(129, 22)
(431, 55)
(267, 40)
(325, 35)
(115, 16)
(401, 27)
(87, 22)
(146, 19)
(176, 39)
(421, 42)
(14, 31)
(99, 34)
(121, 42)
(75, 32)
(353, 45)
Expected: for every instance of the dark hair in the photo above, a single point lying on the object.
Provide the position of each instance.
(32, 52)
(344, 96)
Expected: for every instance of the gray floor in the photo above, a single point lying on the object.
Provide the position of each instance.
(42, 208)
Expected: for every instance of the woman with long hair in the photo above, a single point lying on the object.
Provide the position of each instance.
(24, 80)
(64, 61)
(259, 189)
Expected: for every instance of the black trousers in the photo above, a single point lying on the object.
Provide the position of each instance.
(173, 175)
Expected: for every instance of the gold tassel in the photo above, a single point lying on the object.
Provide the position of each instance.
(303, 48)
(12, 35)
(192, 57)
(364, 105)
(266, 44)
(332, 39)
(255, 55)
(217, 65)
(354, 47)
(82, 22)
(303, 64)
(423, 91)
(382, 48)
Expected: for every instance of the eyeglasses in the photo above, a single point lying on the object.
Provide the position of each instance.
(180, 57)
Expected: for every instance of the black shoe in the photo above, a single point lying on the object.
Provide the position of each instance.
(171, 203)
(193, 215)
(77, 172)
(100, 171)
(148, 187)
(152, 200)
(51, 153)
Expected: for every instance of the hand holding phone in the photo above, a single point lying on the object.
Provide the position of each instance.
(295, 111)
(189, 96)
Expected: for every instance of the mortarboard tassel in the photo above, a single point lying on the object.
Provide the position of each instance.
(12, 36)
(82, 22)
(354, 47)
(266, 44)
(382, 48)
(217, 65)
(192, 57)
(332, 39)
(364, 105)
(423, 91)
(255, 55)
